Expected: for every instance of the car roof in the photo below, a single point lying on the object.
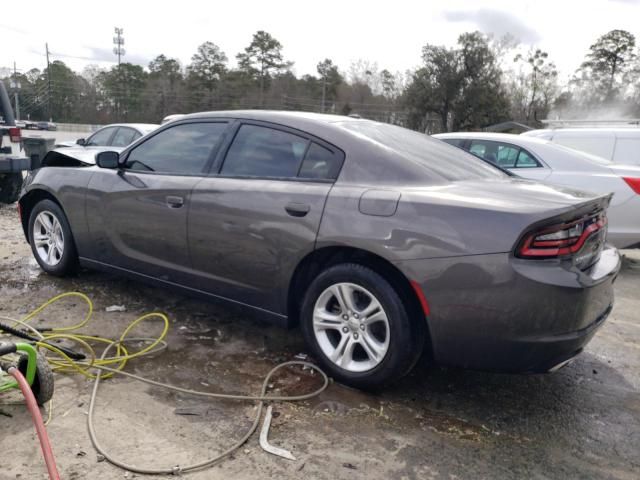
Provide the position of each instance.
(140, 126)
(634, 129)
(276, 116)
(519, 140)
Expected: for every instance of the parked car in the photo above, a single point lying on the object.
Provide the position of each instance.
(538, 159)
(114, 135)
(617, 144)
(376, 240)
(46, 126)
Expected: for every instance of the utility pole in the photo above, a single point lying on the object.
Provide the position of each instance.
(46, 46)
(15, 84)
(118, 41)
(324, 88)
(118, 49)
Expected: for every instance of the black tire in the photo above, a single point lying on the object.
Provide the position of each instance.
(404, 334)
(42, 386)
(68, 263)
(10, 186)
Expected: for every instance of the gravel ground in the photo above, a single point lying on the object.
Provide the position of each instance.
(581, 422)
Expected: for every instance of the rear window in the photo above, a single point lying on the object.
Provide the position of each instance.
(439, 159)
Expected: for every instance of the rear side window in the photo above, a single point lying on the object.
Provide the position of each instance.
(502, 154)
(602, 146)
(320, 163)
(627, 151)
(123, 137)
(101, 138)
(525, 160)
(259, 151)
(183, 150)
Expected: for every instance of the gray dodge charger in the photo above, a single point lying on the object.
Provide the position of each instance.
(380, 242)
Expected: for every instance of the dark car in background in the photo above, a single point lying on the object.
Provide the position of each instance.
(378, 241)
(50, 126)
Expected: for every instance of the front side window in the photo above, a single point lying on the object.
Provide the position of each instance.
(183, 149)
(259, 151)
(101, 138)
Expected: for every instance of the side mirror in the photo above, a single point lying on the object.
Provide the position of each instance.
(107, 159)
(81, 141)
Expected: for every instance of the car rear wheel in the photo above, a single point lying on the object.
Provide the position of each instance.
(51, 239)
(357, 327)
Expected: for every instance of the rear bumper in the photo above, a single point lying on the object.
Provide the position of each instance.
(499, 313)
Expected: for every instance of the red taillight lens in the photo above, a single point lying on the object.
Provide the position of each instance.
(563, 239)
(634, 183)
(15, 135)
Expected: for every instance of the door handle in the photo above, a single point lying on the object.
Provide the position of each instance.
(174, 202)
(297, 209)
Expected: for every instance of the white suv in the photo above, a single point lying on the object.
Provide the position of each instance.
(617, 144)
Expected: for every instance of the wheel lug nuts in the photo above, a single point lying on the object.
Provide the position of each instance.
(345, 317)
(345, 329)
(355, 315)
(355, 335)
(362, 326)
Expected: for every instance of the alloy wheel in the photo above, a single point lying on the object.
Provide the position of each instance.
(351, 327)
(48, 238)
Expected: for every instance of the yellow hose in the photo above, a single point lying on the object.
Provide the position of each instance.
(61, 361)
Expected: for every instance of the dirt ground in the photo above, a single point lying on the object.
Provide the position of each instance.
(581, 422)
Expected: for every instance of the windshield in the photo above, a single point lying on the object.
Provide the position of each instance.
(442, 161)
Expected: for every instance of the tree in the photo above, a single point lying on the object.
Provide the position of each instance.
(538, 83)
(262, 59)
(608, 61)
(165, 82)
(388, 81)
(123, 86)
(331, 79)
(462, 86)
(204, 74)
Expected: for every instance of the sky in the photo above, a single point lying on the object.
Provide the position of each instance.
(390, 33)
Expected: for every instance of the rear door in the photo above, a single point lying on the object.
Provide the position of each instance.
(141, 210)
(259, 212)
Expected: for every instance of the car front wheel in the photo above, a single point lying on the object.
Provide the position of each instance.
(51, 240)
(357, 327)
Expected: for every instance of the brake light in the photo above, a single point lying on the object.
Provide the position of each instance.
(15, 135)
(634, 183)
(562, 239)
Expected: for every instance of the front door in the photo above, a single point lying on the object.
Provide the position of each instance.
(141, 210)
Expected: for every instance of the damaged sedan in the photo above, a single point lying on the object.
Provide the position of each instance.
(379, 242)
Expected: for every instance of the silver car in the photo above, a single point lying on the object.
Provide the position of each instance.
(379, 242)
(115, 135)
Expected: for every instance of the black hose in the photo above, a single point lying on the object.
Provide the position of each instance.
(25, 336)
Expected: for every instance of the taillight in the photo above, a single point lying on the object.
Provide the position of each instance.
(562, 239)
(15, 135)
(634, 183)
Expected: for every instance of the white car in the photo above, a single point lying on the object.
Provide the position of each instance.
(618, 144)
(114, 135)
(542, 160)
